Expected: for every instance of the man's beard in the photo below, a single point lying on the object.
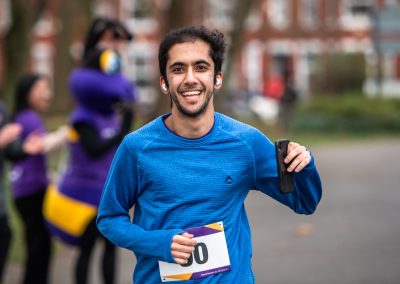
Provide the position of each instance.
(188, 113)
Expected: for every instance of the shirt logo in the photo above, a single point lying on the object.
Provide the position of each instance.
(228, 180)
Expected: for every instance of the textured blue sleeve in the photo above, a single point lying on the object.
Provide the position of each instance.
(307, 188)
(113, 220)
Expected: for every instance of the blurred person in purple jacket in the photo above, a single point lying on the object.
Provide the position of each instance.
(29, 178)
(100, 120)
(102, 116)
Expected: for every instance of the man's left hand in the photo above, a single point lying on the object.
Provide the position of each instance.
(298, 157)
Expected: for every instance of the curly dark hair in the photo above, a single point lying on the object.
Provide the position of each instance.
(215, 39)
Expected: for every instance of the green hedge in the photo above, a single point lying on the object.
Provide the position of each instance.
(349, 114)
(336, 73)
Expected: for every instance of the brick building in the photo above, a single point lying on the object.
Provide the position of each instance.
(279, 35)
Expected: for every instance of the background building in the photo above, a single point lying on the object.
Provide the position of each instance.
(278, 37)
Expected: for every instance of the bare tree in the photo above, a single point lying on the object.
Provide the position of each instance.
(75, 16)
(18, 40)
(240, 14)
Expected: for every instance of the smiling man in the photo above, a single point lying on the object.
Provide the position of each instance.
(188, 172)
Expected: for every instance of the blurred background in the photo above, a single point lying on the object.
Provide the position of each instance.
(339, 58)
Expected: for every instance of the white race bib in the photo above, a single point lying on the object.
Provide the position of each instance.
(209, 257)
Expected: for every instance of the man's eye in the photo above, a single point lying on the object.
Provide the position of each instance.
(201, 68)
(177, 69)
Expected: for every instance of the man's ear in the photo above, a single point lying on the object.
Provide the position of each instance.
(164, 85)
(218, 81)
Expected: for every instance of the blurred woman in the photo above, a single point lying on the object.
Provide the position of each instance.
(29, 178)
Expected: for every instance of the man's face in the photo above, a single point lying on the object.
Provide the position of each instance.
(190, 74)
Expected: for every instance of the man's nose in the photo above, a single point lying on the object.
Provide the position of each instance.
(190, 77)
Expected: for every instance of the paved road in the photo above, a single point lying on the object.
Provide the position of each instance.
(352, 238)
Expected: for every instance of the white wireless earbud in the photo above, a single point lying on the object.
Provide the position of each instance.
(164, 87)
(218, 82)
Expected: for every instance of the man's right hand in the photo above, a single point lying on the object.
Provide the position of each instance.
(182, 247)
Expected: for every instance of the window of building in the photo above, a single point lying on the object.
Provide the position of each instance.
(138, 16)
(5, 16)
(309, 13)
(220, 14)
(42, 56)
(392, 2)
(253, 59)
(139, 66)
(138, 9)
(140, 62)
(356, 14)
(279, 13)
(397, 66)
(331, 13)
(254, 20)
(388, 66)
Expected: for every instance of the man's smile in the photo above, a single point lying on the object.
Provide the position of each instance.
(191, 93)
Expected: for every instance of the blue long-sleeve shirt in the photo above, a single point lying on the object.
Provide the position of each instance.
(176, 183)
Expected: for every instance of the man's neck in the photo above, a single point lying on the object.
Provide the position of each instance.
(190, 127)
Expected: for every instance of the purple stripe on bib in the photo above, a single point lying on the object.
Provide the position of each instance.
(202, 231)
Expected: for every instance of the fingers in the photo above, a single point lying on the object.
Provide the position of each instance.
(298, 157)
(185, 239)
(182, 247)
(33, 144)
(14, 128)
(300, 162)
(9, 133)
(180, 258)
